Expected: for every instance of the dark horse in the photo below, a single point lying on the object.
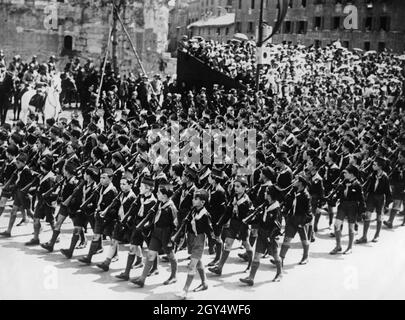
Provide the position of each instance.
(6, 93)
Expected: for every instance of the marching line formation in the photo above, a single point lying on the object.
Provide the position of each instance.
(331, 149)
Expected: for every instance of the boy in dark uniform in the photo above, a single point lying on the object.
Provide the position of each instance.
(269, 229)
(198, 226)
(24, 177)
(9, 175)
(351, 203)
(43, 208)
(121, 212)
(104, 222)
(299, 216)
(240, 207)
(164, 220)
(68, 190)
(378, 192)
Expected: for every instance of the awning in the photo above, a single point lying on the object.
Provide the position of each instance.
(224, 20)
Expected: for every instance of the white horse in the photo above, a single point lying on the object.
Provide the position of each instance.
(52, 107)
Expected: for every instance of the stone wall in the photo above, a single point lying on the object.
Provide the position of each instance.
(27, 28)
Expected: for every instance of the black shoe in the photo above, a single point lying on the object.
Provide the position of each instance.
(165, 259)
(315, 229)
(123, 276)
(82, 245)
(32, 243)
(66, 253)
(5, 234)
(47, 246)
(22, 222)
(272, 261)
(313, 239)
(243, 256)
(388, 224)
(85, 260)
(103, 266)
(336, 251)
(212, 263)
(304, 261)
(278, 277)
(247, 281)
(153, 272)
(215, 270)
(201, 287)
(170, 281)
(138, 282)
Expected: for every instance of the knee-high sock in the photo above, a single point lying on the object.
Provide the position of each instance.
(55, 235)
(155, 263)
(284, 250)
(310, 232)
(173, 265)
(218, 250)
(93, 249)
(317, 217)
(11, 222)
(224, 257)
(1, 210)
(73, 242)
(130, 261)
(201, 272)
(82, 236)
(255, 267)
(146, 269)
(379, 225)
(365, 228)
(250, 258)
(279, 267)
(37, 228)
(393, 213)
(330, 212)
(351, 238)
(338, 235)
(305, 247)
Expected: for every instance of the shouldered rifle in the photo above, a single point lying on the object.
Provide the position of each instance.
(105, 211)
(146, 219)
(253, 215)
(35, 180)
(181, 230)
(74, 193)
(91, 198)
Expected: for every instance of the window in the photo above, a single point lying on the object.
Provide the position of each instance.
(240, 4)
(219, 31)
(252, 4)
(318, 43)
(367, 45)
(336, 23)
(381, 46)
(346, 44)
(318, 2)
(368, 24)
(290, 3)
(68, 43)
(302, 27)
(304, 3)
(384, 23)
(317, 23)
(238, 27)
(227, 31)
(287, 27)
(250, 27)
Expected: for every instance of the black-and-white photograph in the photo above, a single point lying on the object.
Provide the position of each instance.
(202, 150)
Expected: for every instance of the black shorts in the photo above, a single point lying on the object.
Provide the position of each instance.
(265, 241)
(102, 226)
(315, 203)
(64, 211)
(137, 237)
(43, 211)
(398, 192)
(121, 233)
(375, 202)
(79, 219)
(161, 240)
(6, 193)
(349, 210)
(237, 230)
(296, 224)
(195, 245)
(22, 200)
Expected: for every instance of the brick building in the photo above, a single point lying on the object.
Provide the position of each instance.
(380, 23)
(80, 27)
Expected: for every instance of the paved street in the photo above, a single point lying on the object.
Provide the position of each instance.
(374, 271)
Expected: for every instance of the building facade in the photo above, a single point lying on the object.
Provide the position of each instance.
(80, 28)
(377, 24)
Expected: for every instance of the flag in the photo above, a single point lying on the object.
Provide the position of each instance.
(282, 12)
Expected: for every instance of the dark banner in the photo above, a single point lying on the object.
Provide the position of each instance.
(193, 73)
(282, 12)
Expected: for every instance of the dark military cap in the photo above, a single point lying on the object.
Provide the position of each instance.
(282, 157)
(123, 139)
(66, 136)
(22, 157)
(12, 149)
(303, 179)
(128, 176)
(117, 156)
(47, 162)
(269, 173)
(352, 169)
(216, 173)
(147, 180)
(92, 127)
(50, 122)
(76, 133)
(93, 172)
(191, 173)
(18, 139)
(242, 180)
(102, 138)
(107, 171)
(45, 140)
(201, 194)
(31, 139)
(349, 145)
(3, 135)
